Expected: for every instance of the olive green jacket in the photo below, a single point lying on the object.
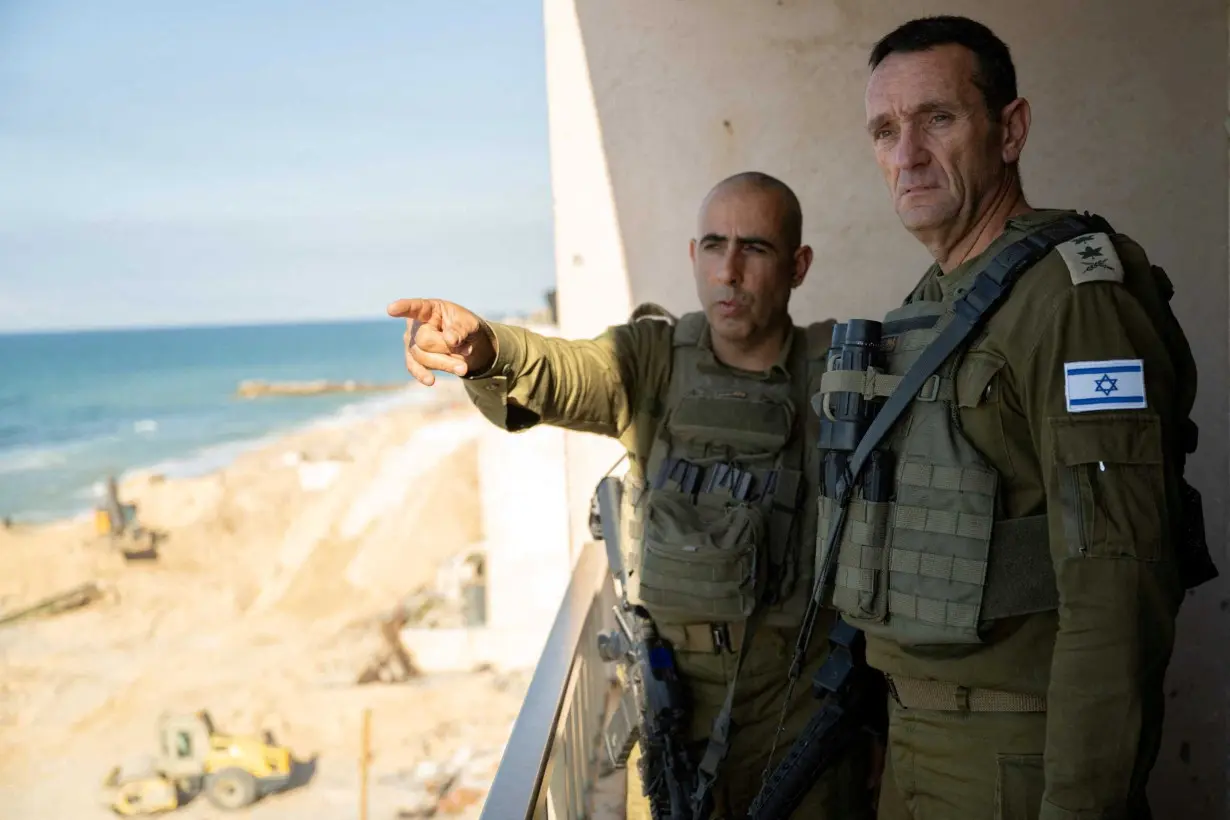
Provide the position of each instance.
(1106, 481)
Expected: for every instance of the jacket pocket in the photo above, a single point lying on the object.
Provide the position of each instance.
(1019, 783)
(1112, 484)
(976, 384)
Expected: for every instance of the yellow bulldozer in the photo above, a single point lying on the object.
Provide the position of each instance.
(232, 771)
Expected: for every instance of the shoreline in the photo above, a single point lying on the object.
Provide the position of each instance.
(212, 458)
(283, 565)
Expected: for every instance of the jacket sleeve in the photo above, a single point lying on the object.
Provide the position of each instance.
(588, 385)
(1105, 468)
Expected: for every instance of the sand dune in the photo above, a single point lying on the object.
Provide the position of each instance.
(262, 608)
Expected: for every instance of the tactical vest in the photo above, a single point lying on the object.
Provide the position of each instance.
(934, 563)
(718, 524)
(952, 563)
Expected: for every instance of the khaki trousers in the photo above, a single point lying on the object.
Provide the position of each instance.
(963, 765)
(843, 794)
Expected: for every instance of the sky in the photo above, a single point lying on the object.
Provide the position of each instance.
(265, 160)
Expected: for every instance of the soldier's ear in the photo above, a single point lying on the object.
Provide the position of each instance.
(1014, 129)
(802, 264)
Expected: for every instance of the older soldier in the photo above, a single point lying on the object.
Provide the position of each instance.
(713, 411)
(1021, 588)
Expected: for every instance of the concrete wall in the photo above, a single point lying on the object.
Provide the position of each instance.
(528, 564)
(528, 546)
(651, 102)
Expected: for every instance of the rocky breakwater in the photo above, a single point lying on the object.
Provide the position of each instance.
(255, 388)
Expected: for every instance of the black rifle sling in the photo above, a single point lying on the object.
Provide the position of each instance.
(990, 287)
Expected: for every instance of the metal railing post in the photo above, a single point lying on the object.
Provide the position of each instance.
(550, 762)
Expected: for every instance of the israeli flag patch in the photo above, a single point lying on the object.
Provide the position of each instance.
(1117, 384)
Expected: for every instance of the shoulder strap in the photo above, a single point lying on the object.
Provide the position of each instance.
(970, 311)
(688, 329)
(652, 310)
(819, 336)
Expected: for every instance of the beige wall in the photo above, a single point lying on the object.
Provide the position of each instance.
(652, 102)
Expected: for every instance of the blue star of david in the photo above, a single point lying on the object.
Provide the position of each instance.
(1106, 385)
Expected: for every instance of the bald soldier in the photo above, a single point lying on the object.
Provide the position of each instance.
(1020, 589)
(719, 500)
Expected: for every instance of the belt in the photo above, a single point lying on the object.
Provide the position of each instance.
(917, 693)
(704, 637)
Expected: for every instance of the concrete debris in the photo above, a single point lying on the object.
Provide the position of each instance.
(443, 789)
(392, 664)
(456, 600)
(459, 799)
(75, 598)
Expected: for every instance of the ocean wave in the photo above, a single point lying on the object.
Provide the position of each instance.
(71, 470)
(32, 459)
(371, 407)
(205, 460)
(218, 456)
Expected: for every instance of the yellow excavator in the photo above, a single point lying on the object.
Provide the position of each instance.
(232, 771)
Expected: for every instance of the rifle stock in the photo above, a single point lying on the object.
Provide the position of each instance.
(852, 697)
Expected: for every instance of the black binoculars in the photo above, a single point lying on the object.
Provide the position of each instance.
(845, 415)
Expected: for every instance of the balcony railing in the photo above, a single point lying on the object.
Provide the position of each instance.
(554, 752)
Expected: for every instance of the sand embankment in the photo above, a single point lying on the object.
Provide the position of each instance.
(262, 607)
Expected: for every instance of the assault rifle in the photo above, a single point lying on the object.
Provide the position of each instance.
(852, 698)
(653, 708)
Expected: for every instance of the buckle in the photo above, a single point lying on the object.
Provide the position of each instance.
(892, 691)
(930, 391)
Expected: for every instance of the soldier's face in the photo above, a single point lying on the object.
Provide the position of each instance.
(935, 142)
(743, 267)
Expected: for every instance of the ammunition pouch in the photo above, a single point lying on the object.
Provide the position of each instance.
(702, 559)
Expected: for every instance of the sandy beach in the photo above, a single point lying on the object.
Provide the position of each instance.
(263, 607)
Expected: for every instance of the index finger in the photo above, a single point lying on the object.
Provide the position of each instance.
(420, 309)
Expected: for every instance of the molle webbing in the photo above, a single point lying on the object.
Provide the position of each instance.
(1019, 576)
(706, 597)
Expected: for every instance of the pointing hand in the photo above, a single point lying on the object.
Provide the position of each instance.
(443, 336)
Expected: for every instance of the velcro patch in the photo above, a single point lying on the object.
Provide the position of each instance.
(1091, 257)
(1116, 384)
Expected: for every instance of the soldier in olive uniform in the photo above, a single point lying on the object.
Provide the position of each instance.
(719, 510)
(1020, 591)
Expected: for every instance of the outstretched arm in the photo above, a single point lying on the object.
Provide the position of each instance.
(518, 378)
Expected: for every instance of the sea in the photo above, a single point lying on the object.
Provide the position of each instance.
(76, 407)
